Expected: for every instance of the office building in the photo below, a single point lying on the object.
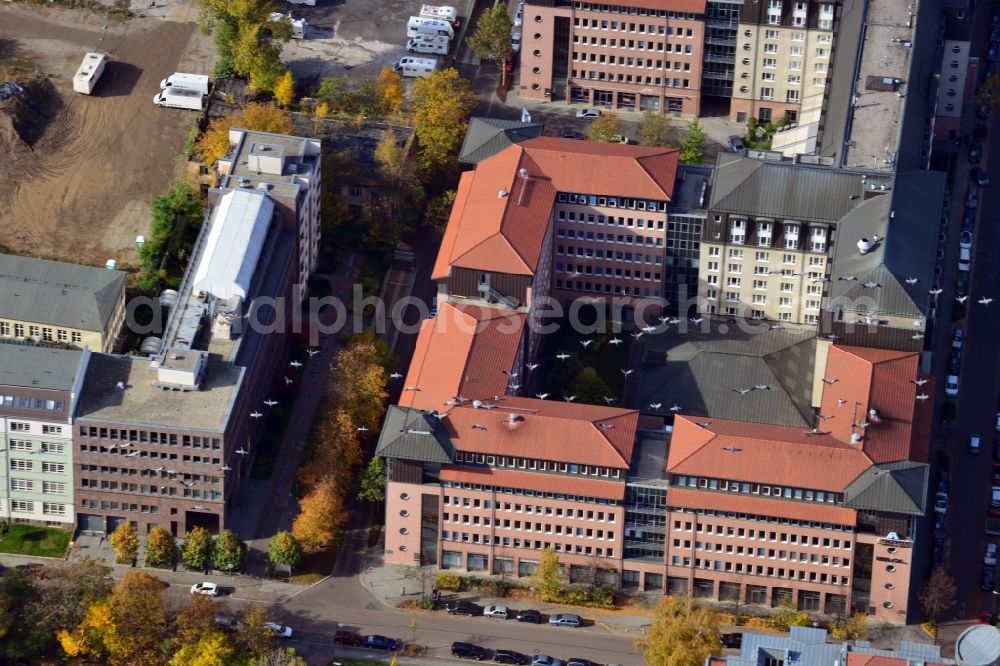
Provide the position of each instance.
(631, 54)
(39, 389)
(59, 304)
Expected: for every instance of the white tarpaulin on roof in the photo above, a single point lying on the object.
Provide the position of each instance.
(239, 228)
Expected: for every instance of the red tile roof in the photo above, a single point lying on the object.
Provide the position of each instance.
(504, 233)
(760, 453)
(547, 482)
(694, 6)
(546, 430)
(862, 659)
(462, 351)
(882, 380)
(689, 498)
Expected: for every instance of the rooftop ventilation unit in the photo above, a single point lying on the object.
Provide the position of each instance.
(502, 193)
(864, 246)
(855, 438)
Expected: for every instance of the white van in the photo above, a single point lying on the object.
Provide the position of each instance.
(425, 26)
(298, 25)
(421, 46)
(197, 82)
(964, 259)
(443, 12)
(86, 77)
(416, 67)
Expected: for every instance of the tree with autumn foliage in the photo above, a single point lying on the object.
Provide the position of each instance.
(360, 388)
(161, 548)
(389, 88)
(441, 106)
(195, 620)
(138, 623)
(258, 116)
(212, 649)
(335, 451)
(607, 128)
(254, 637)
(249, 38)
(125, 542)
(197, 550)
(322, 513)
(683, 634)
(284, 90)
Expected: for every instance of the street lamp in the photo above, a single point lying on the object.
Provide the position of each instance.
(995, 595)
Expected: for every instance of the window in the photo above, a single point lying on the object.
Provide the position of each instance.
(54, 468)
(795, 51)
(732, 282)
(770, 48)
(18, 330)
(770, 34)
(792, 96)
(794, 79)
(762, 256)
(22, 506)
(770, 63)
(822, 53)
(760, 284)
(23, 485)
(713, 251)
(767, 76)
(735, 254)
(820, 67)
(21, 465)
(20, 445)
(767, 93)
(53, 447)
(819, 81)
(713, 265)
(16, 426)
(77, 337)
(785, 302)
(734, 268)
(53, 487)
(50, 509)
(4, 328)
(51, 430)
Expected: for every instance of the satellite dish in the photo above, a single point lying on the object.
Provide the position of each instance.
(477, 404)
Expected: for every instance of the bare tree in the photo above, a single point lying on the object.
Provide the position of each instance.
(938, 596)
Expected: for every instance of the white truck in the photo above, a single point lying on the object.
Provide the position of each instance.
(298, 25)
(430, 27)
(197, 82)
(422, 46)
(87, 76)
(442, 12)
(308, 3)
(415, 67)
(179, 98)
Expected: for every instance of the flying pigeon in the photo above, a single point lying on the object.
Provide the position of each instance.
(615, 341)
(242, 451)
(655, 405)
(512, 375)
(847, 278)
(961, 299)
(985, 301)
(478, 426)
(923, 396)
(637, 335)
(585, 343)
(935, 292)
(919, 382)
(569, 398)
(531, 366)
(830, 381)
(648, 329)
(133, 454)
(255, 415)
(912, 280)
(270, 403)
(917, 336)
(608, 399)
(663, 320)
(513, 387)
(295, 364)
(675, 408)
(695, 320)
(762, 387)
(312, 352)
(362, 429)
(742, 391)
(412, 388)
(824, 416)
(777, 327)
(816, 431)
(226, 468)
(562, 357)
(627, 372)
(871, 285)
(289, 381)
(833, 336)
(704, 424)
(396, 375)
(541, 396)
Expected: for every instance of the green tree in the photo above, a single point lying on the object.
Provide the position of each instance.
(692, 145)
(284, 549)
(441, 106)
(850, 629)
(161, 548)
(124, 542)
(213, 649)
(439, 210)
(17, 637)
(548, 578)
(248, 38)
(173, 215)
(197, 551)
(373, 481)
(606, 128)
(787, 615)
(253, 636)
(588, 387)
(491, 40)
(683, 634)
(228, 551)
(654, 129)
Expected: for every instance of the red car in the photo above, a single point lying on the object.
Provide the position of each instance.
(996, 472)
(347, 638)
(508, 63)
(986, 617)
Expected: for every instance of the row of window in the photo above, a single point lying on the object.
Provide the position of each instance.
(144, 489)
(760, 255)
(630, 61)
(55, 448)
(761, 285)
(633, 11)
(630, 44)
(762, 570)
(758, 489)
(600, 271)
(761, 535)
(611, 220)
(514, 462)
(640, 28)
(709, 308)
(29, 485)
(48, 508)
(115, 506)
(509, 542)
(628, 78)
(612, 202)
(536, 509)
(760, 299)
(792, 522)
(38, 332)
(620, 239)
(23, 402)
(608, 288)
(153, 437)
(23, 465)
(529, 493)
(600, 252)
(158, 473)
(528, 526)
(161, 455)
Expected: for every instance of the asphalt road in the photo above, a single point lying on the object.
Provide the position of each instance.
(970, 475)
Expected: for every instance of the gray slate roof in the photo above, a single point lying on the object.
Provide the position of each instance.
(897, 487)
(807, 646)
(414, 435)
(907, 224)
(488, 136)
(699, 370)
(783, 190)
(39, 367)
(58, 294)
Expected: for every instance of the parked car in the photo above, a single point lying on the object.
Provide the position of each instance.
(975, 154)
(965, 240)
(732, 640)
(996, 473)
(736, 144)
(986, 617)
(972, 200)
(496, 611)
(564, 620)
(580, 661)
(528, 615)
(376, 642)
(941, 503)
(951, 386)
(962, 284)
(940, 527)
(979, 176)
(588, 113)
(990, 557)
(519, 16)
(463, 608)
(969, 221)
(468, 651)
(998, 422)
(958, 337)
(975, 444)
(227, 622)
(955, 362)
(279, 630)
(987, 579)
(995, 496)
(348, 638)
(545, 660)
(515, 41)
(573, 134)
(996, 448)
(508, 62)
(205, 588)
(510, 657)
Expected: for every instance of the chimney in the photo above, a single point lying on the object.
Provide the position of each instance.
(855, 438)
(873, 416)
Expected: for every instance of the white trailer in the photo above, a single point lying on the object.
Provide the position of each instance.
(179, 98)
(442, 12)
(197, 82)
(309, 3)
(86, 77)
(415, 67)
(420, 46)
(430, 27)
(298, 25)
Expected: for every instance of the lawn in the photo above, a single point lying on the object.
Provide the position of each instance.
(35, 541)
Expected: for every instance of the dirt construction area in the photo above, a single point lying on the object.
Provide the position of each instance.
(81, 191)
